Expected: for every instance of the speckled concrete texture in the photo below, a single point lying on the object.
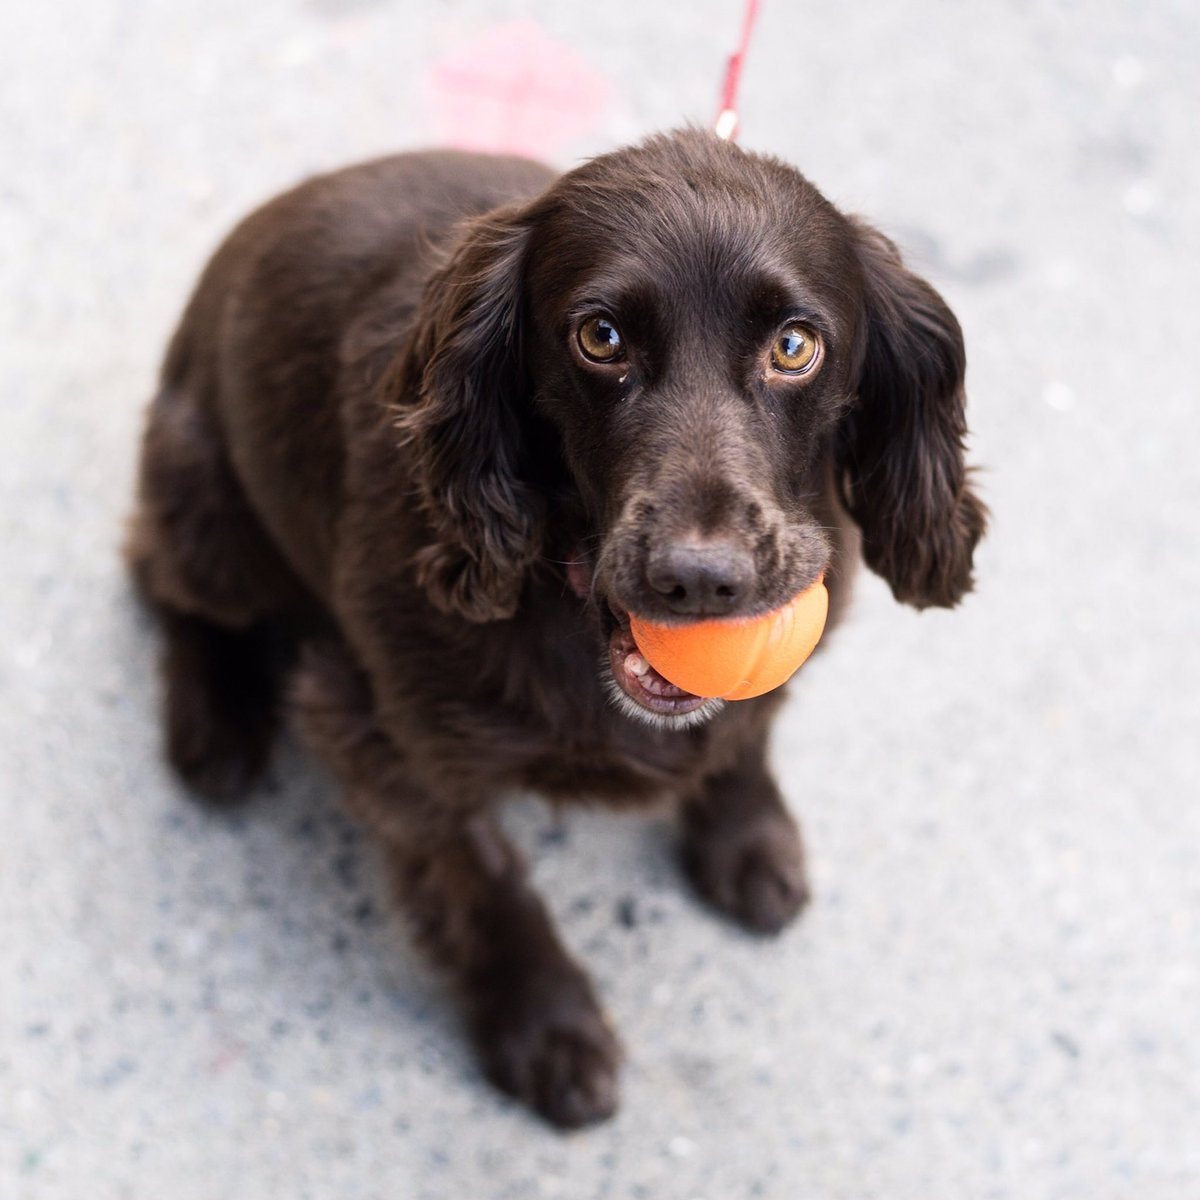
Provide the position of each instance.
(997, 992)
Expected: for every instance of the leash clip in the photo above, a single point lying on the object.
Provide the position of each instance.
(726, 124)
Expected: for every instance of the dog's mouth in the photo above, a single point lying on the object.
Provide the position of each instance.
(638, 679)
(640, 692)
(636, 687)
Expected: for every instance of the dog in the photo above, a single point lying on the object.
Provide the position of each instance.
(432, 427)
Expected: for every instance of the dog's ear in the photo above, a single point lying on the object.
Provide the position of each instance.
(900, 452)
(464, 424)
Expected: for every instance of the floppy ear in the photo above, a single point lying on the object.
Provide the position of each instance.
(464, 427)
(901, 447)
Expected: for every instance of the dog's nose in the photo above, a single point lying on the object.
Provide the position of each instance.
(701, 577)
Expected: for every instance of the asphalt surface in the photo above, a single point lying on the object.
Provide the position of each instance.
(996, 993)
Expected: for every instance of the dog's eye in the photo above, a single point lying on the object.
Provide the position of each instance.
(795, 350)
(600, 341)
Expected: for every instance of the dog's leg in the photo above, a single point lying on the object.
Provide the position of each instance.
(216, 583)
(742, 849)
(539, 1029)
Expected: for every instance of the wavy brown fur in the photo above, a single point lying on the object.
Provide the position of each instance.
(375, 450)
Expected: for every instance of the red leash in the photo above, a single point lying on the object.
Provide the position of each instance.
(726, 124)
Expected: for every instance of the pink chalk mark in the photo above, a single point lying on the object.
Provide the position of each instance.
(515, 89)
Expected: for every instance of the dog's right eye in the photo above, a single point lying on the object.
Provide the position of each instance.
(600, 340)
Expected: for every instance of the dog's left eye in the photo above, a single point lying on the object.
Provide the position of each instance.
(600, 340)
(795, 350)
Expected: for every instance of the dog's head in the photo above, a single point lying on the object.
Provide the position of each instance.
(668, 355)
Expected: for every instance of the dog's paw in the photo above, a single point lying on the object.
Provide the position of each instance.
(752, 872)
(221, 706)
(561, 1059)
(218, 760)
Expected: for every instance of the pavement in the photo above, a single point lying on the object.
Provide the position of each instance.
(996, 992)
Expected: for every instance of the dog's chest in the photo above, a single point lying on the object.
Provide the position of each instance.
(613, 760)
(589, 749)
(615, 771)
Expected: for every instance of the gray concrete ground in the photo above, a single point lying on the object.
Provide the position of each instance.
(997, 991)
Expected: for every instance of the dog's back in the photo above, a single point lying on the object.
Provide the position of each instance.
(306, 287)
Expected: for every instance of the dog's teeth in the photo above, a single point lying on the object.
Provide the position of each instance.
(654, 683)
(635, 664)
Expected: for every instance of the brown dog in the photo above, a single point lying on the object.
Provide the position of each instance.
(431, 427)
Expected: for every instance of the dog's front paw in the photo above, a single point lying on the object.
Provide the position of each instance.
(752, 871)
(554, 1052)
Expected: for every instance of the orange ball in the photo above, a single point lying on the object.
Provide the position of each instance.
(734, 659)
